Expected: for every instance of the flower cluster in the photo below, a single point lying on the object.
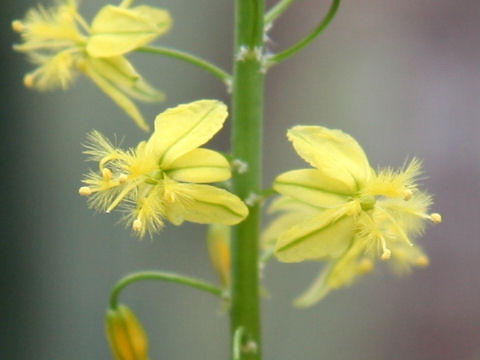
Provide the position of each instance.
(345, 212)
(166, 176)
(59, 41)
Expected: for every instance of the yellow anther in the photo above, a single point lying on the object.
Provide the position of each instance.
(81, 65)
(122, 179)
(29, 80)
(169, 196)
(85, 191)
(18, 26)
(107, 174)
(386, 255)
(435, 218)
(137, 225)
(364, 266)
(422, 261)
(407, 195)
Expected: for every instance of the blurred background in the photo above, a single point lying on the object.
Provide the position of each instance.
(403, 77)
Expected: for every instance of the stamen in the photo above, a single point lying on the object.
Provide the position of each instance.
(122, 179)
(422, 261)
(364, 266)
(107, 174)
(407, 195)
(18, 26)
(137, 225)
(29, 80)
(85, 191)
(435, 218)
(387, 253)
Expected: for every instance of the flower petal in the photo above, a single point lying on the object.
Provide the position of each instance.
(204, 204)
(114, 91)
(335, 154)
(312, 187)
(326, 235)
(116, 31)
(181, 129)
(200, 166)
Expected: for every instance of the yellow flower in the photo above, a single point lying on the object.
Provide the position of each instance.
(59, 41)
(125, 334)
(166, 176)
(345, 212)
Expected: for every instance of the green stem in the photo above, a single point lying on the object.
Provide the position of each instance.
(277, 10)
(247, 111)
(192, 59)
(275, 59)
(165, 276)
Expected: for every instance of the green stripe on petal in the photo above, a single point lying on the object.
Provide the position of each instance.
(312, 187)
(200, 166)
(205, 204)
(336, 154)
(326, 235)
(182, 129)
(116, 31)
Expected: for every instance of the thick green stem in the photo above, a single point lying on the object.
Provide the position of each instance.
(247, 109)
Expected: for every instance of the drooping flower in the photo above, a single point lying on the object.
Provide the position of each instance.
(125, 334)
(166, 177)
(60, 42)
(344, 212)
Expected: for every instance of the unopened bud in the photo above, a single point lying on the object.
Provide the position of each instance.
(125, 334)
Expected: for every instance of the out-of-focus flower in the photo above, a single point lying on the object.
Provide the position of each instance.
(60, 42)
(343, 211)
(166, 176)
(125, 334)
(218, 241)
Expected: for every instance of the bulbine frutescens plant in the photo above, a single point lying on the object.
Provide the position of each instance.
(339, 211)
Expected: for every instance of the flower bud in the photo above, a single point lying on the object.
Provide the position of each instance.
(125, 334)
(218, 239)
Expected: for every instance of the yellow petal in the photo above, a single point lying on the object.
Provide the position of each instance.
(325, 235)
(119, 71)
(116, 31)
(182, 129)
(114, 91)
(336, 154)
(312, 187)
(204, 204)
(200, 166)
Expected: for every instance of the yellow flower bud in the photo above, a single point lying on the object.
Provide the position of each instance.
(218, 239)
(125, 334)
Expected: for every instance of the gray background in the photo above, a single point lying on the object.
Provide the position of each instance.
(403, 77)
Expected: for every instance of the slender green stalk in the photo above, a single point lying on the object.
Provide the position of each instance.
(275, 59)
(247, 111)
(192, 59)
(165, 276)
(277, 10)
